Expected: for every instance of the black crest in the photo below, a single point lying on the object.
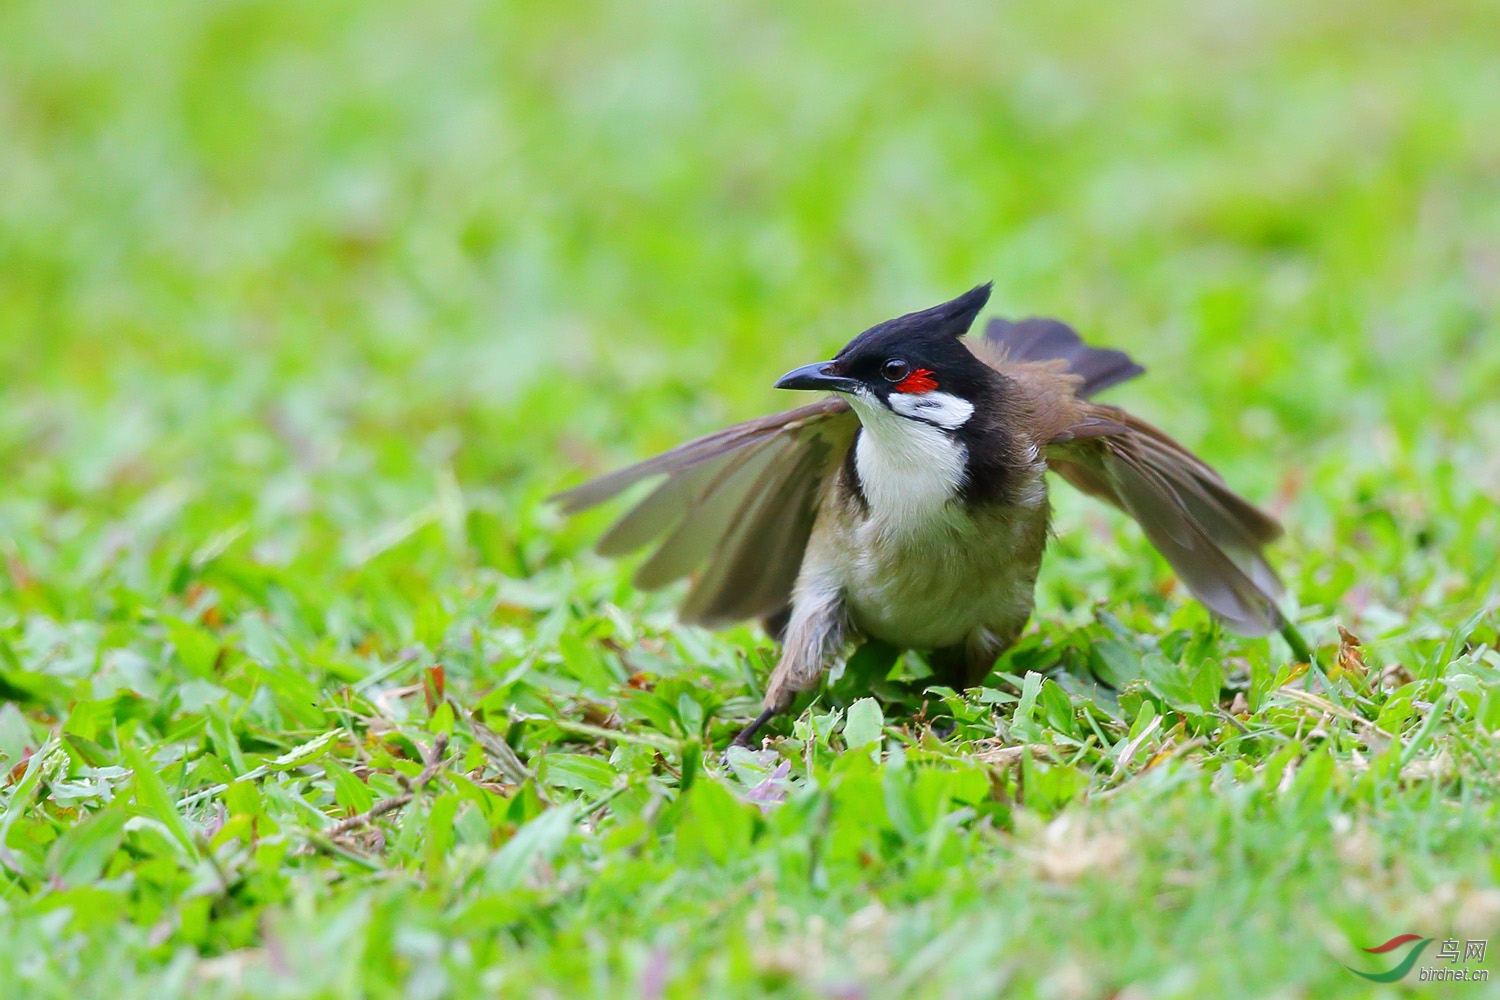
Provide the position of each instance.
(948, 321)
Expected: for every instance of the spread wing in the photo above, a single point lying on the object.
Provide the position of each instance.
(1211, 537)
(736, 508)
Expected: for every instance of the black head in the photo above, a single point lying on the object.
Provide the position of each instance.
(911, 356)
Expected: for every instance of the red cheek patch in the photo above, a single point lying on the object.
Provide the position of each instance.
(920, 380)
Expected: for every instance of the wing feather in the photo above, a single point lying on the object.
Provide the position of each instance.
(659, 511)
(596, 491)
(1211, 537)
(704, 523)
(756, 566)
(736, 507)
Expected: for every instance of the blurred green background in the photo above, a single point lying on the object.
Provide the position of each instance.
(557, 228)
(305, 308)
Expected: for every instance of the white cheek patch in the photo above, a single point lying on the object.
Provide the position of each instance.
(940, 408)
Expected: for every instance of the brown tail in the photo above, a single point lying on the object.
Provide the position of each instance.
(1038, 339)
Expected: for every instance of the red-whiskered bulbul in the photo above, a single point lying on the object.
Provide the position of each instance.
(911, 506)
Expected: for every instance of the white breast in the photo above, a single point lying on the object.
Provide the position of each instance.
(911, 471)
(920, 569)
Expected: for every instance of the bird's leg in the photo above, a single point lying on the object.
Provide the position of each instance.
(985, 645)
(950, 667)
(815, 636)
(967, 665)
(748, 733)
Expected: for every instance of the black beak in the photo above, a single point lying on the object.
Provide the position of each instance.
(816, 376)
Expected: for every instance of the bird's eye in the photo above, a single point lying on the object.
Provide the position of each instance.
(894, 370)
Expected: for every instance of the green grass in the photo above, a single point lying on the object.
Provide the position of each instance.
(305, 309)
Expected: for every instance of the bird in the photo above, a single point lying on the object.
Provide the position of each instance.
(911, 504)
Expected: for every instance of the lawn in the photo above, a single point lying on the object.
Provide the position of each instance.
(306, 691)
